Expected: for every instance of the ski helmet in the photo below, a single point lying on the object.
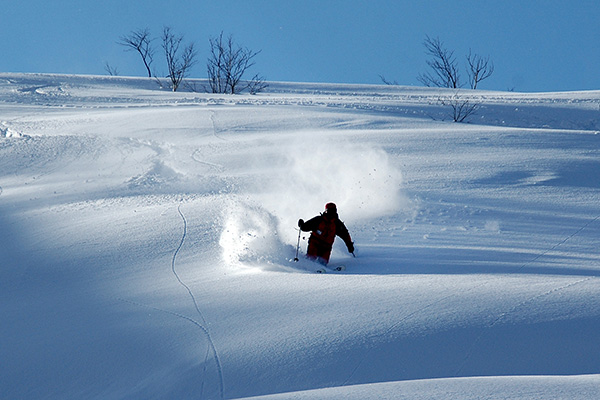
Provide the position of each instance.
(330, 207)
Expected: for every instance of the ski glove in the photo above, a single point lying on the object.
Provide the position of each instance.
(300, 223)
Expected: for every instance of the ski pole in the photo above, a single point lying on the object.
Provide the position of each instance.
(298, 245)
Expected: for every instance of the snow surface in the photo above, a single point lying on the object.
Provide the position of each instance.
(147, 242)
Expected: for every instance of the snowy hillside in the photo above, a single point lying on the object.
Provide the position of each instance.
(147, 242)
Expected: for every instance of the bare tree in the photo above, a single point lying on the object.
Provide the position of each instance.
(479, 69)
(227, 65)
(445, 72)
(216, 69)
(112, 71)
(388, 82)
(178, 63)
(461, 107)
(257, 84)
(141, 42)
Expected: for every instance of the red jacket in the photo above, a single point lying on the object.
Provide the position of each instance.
(324, 230)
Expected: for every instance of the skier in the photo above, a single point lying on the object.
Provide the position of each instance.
(324, 228)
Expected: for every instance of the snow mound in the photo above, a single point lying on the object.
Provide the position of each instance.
(158, 174)
(7, 132)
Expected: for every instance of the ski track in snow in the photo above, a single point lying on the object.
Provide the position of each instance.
(216, 131)
(566, 239)
(211, 349)
(202, 325)
(215, 167)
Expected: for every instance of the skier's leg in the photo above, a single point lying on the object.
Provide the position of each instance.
(321, 261)
(324, 252)
(312, 250)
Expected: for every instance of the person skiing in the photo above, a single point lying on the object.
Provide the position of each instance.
(324, 228)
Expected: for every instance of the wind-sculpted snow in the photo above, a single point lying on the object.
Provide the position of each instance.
(147, 241)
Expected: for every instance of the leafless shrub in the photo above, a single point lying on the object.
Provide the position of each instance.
(112, 71)
(388, 82)
(227, 65)
(444, 68)
(178, 63)
(141, 42)
(461, 107)
(479, 69)
(257, 84)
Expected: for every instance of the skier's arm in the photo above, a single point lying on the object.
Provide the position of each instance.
(309, 225)
(343, 233)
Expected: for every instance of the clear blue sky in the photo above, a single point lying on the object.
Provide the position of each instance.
(536, 45)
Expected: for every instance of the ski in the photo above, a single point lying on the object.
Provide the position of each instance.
(336, 268)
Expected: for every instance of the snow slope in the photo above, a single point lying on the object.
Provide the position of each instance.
(147, 240)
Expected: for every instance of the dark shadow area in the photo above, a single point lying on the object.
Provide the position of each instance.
(582, 174)
(578, 174)
(456, 261)
(564, 347)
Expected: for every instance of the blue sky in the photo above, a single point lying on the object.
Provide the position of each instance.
(536, 45)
